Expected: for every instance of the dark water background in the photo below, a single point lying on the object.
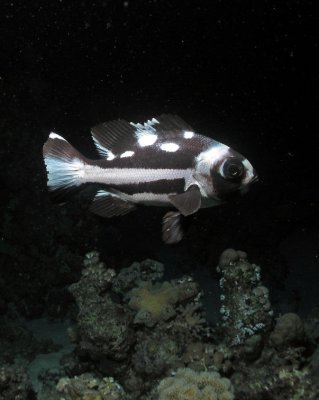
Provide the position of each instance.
(244, 73)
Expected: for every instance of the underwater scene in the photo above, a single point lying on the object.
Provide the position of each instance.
(159, 231)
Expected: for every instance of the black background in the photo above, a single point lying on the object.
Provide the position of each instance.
(242, 72)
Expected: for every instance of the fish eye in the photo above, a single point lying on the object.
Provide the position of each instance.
(232, 169)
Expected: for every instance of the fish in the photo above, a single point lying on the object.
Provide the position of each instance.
(161, 162)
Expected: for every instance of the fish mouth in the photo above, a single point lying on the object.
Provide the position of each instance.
(254, 179)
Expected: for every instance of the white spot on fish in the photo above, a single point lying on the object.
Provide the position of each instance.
(127, 154)
(103, 151)
(110, 156)
(170, 147)
(206, 159)
(56, 136)
(213, 154)
(188, 134)
(146, 139)
(146, 133)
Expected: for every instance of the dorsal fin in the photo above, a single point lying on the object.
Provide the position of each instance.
(112, 138)
(115, 137)
(170, 122)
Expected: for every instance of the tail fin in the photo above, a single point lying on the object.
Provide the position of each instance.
(64, 165)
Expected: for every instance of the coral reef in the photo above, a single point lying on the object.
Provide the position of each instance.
(104, 330)
(134, 329)
(153, 303)
(157, 302)
(207, 357)
(289, 330)
(88, 387)
(187, 384)
(189, 323)
(245, 309)
(104, 327)
(130, 277)
(155, 354)
(269, 383)
(15, 384)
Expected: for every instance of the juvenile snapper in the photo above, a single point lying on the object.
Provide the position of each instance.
(161, 162)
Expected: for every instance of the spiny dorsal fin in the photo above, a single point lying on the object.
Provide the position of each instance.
(115, 137)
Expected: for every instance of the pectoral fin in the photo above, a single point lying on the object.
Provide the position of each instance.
(188, 202)
(171, 229)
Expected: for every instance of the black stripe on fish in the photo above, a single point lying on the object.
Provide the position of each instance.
(165, 141)
(155, 157)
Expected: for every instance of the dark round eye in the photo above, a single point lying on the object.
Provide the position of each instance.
(233, 169)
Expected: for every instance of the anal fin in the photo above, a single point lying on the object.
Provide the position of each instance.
(107, 204)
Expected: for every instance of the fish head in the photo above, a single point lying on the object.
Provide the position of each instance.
(222, 173)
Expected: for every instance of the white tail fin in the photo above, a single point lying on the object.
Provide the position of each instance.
(64, 164)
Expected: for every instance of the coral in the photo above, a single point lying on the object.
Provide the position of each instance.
(157, 302)
(190, 385)
(128, 278)
(245, 309)
(253, 347)
(15, 384)
(207, 357)
(269, 383)
(135, 385)
(96, 279)
(230, 256)
(153, 302)
(155, 354)
(105, 330)
(278, 373)
(189, 322)
(88, 387)
(104, 327)
(288, 330)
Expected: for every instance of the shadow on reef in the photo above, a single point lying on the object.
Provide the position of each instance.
(139, 337)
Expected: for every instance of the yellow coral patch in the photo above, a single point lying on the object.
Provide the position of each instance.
(153, 299)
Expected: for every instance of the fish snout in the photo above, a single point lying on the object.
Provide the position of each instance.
(255, 177)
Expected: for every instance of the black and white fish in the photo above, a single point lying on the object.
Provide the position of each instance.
(161, 162)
